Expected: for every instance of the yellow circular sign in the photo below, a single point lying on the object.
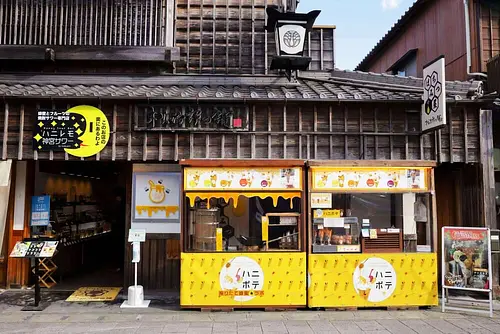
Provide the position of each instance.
(92, 128)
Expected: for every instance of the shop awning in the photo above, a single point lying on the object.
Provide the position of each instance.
(235, 195)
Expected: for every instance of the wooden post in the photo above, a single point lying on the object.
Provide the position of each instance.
(488, 181)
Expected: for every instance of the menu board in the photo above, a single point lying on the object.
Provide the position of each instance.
(242, 178)
(466, 257)
(370, 179)
(31, 249)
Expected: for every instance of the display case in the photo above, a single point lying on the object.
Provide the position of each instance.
(335, 235)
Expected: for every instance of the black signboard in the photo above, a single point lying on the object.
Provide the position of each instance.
(181, 117)
(56, 130)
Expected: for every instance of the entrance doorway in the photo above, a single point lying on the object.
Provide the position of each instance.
(88, 217)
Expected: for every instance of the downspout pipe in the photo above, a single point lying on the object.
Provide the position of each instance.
(468, 44)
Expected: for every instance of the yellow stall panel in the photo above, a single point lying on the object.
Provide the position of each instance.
(243, 279)
(370, 280)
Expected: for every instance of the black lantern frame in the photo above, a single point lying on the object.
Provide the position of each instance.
(291, 30)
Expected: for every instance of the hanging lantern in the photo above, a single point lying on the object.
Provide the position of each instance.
(290, 34)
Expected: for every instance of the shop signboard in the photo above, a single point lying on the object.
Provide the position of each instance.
(40, 210)
(372, 280)
(241, 179)
(370, 179)
(34, 249)
(321, 200)
(466, 262)
(195, 117)
(156, 197)
(465, 258)
(434, 106)
(244, 279)
(81, 131)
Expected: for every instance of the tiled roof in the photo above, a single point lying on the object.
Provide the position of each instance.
(324, 86)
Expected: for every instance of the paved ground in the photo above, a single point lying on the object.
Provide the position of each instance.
(164, 317)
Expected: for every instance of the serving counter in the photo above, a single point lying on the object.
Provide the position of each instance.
(371, 235)
(243, 235)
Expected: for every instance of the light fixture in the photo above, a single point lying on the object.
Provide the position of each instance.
(290, 34)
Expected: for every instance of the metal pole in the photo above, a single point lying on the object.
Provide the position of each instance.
(135, 276)
(37, 283)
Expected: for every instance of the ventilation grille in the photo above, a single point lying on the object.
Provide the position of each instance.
(385, 243)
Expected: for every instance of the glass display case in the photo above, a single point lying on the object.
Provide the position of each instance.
(332, 235)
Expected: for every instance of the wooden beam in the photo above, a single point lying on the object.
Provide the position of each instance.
(391, 143)
(346, 145)
(241, 163)
(145, 147)
(21, 133)
(222, 146)
(5, 131)
(113, 135)
(90, 53)
(450, 132)
(129, 135)
(466, 136)
(284, 130)
(207, 146)
(375, 114)
(488, 178)
(160, 147)
(176, 147)
(315, 129)
(269, 130)
(300, 134)
(372, 163)
(330, 128)
(252, 140)
(407, 144)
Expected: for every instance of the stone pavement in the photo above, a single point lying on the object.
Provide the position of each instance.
(77, 318)
(63, 317)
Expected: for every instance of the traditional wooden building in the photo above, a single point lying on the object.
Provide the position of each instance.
(422, 34)
(138, 63)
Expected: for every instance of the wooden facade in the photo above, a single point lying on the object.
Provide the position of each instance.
(426, 27)
(330, 118)
(223, 36)
(277, 131)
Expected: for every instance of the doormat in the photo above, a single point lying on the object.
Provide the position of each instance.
(94, 294)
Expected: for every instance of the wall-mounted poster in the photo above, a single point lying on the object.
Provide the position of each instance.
(81, 131)
(156, 197)
(40, 210)
(465, 257)
(242, 179)
(370, 179)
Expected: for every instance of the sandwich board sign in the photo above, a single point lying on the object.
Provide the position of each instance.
(434, 106)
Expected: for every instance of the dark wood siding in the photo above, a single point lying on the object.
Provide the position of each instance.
(429, 32)
(489, 34)
(308, 131)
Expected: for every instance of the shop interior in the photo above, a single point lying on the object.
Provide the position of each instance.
(257, 223)
(373, 223)
(87, 217)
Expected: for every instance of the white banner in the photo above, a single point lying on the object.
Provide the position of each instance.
(434, 107)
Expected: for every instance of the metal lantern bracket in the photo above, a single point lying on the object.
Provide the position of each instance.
(290, 33)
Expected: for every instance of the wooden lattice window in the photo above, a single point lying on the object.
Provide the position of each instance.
(87, 22)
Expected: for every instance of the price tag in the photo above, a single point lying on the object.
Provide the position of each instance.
(136, 235)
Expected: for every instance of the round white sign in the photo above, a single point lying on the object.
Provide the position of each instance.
(243, 278)
(374, 279)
